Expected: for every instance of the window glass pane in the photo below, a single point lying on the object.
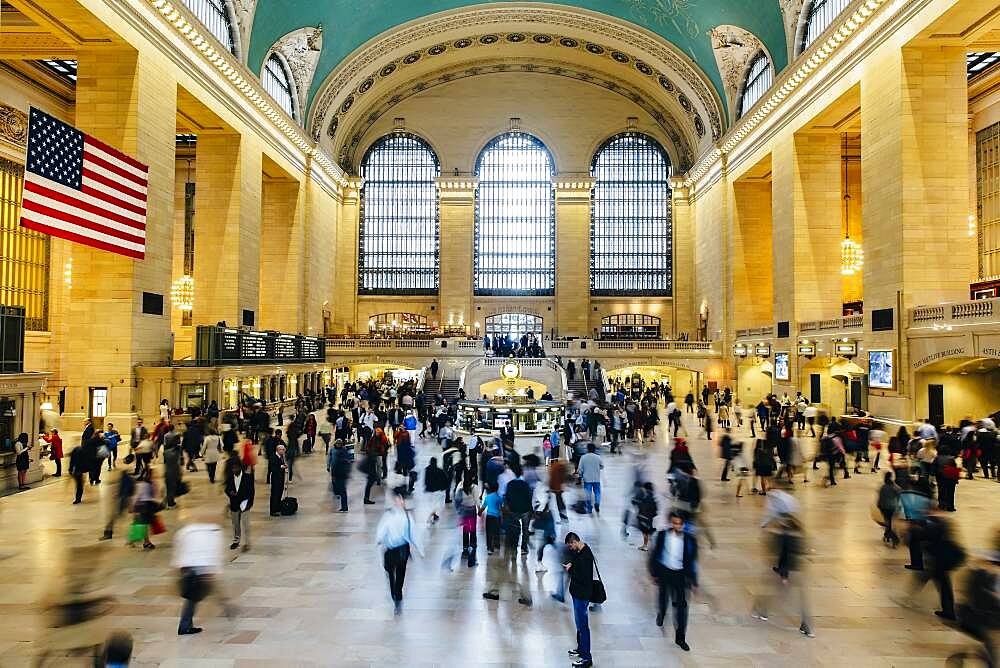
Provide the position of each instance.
(398, 245)
(214, 15)
(278, 84)
(631, 237)
(821, 15)
(759, 79)
(515, 218)
(514, 324)
(24, 254)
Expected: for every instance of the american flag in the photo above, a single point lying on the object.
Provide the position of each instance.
(80, 189)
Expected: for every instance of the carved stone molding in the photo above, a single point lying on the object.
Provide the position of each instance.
(733, 48)
(791, 12)
(301, 49)
(349, 140)
(244, 11)
(379, 59)
(13, 125)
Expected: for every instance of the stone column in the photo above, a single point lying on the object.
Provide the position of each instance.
(345, 305)
(457, 202)
(128, 101)
(806, 227)
(227, 226)
(573, 254)
(915, 177)
(323, 205)
(684, 319)
(751, 253)
(282, 256)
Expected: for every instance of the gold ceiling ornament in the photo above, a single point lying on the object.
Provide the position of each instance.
(182, 293)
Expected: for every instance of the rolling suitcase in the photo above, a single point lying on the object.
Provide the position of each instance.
(289, 506)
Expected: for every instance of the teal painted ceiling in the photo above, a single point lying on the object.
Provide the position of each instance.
(347, 24)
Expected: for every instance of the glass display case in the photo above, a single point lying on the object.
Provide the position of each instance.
(527, 416)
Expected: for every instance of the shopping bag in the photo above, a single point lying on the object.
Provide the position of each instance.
(137, 532)
(157, 527)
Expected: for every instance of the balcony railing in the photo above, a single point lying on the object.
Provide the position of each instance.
(845, 323)
(977, 311)
(766, 331)
(474, 348)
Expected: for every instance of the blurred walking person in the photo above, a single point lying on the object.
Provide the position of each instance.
(198, 558)
(673, 566)
(888, 505)
(787, 540)
(395, 534)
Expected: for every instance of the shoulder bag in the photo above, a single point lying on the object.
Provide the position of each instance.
(598, 593)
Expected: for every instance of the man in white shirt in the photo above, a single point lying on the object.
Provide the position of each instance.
(198, 557)
(672, 566)
(927, 431)
(590, 473)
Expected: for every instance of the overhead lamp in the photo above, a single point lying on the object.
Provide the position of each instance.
(182, 293)
(852, 256)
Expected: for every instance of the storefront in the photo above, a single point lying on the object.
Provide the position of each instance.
(526, 416)
(21, 399)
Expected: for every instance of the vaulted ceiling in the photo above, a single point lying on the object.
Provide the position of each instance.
(349, 24)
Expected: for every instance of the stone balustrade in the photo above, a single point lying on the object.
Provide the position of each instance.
(944, 315)
(446, 347)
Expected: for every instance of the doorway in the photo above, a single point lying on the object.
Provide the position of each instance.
(98, 406)
(935, 404)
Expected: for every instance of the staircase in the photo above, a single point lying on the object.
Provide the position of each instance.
(449, 389)
(580, 387)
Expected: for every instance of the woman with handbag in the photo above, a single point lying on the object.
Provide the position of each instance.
(584, 589)
(144, 509)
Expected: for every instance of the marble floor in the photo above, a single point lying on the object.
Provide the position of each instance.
(311, 591)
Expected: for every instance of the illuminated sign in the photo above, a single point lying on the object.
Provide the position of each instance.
(762, 350)
(740, 350)
(807, 349)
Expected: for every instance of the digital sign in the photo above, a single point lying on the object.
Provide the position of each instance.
(224, 345)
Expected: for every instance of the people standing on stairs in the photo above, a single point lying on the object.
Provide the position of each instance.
(673, 566)
(585, 367)
(571, 371)
(434, 369)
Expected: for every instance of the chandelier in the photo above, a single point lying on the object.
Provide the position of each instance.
(182, 293)
(852, 256)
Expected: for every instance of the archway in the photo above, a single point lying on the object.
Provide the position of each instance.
(514, 324)
(754, 379)
(833, 383)
(957, 388)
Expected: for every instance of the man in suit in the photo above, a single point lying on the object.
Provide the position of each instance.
(240, 491)
(672, 564)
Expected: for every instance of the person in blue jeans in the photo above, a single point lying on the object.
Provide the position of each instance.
(590, 473)
(581, 587)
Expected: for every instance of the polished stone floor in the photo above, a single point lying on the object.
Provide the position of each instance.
(311, 591)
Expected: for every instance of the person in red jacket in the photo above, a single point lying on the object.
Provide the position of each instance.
(55, 449)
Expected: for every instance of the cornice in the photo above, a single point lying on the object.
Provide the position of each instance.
(809, 66)
(357, 72)
(202, 46)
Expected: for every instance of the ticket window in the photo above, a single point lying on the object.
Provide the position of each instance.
(194, 396)
(98, 406)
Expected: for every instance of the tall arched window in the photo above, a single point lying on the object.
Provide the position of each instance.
(214, 15)
(277, 81)
(759, 78)
(515, 218)
(398, 245)
(819, 15)
(630, 233)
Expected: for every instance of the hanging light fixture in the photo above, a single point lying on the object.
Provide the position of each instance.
(852, 256)
(182, 293)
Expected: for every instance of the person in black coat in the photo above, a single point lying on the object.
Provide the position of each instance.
(581, 587)
(78, 465)
(672, 564)
(278, 467)
(240, 492)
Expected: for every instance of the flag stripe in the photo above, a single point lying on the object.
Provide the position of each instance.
(42, 186)
(115, 153)
(69, 228)
(100, 193)
(52, 214)
(96, 160)
(97, 180)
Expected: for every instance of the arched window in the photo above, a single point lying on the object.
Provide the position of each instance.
(214, 15)
(515, 324)
(277, 82)
(630, 228)
(515, 218)
(398, 245)
(819, 15)
(630, 326)
(759, 79)
(392, 323)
